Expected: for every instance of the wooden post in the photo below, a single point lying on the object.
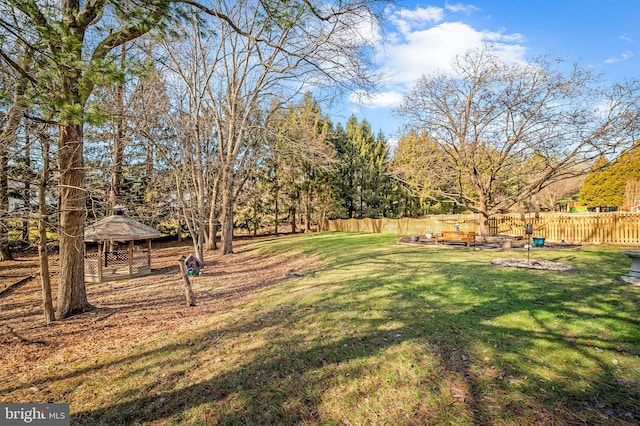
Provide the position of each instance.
(100, 250)
(130, 258)
(188, 292)
(149, 253)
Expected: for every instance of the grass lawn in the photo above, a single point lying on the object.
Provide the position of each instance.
(381, 333)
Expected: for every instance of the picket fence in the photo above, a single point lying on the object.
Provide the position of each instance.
(573, 228)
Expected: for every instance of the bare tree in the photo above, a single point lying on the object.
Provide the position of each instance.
(507, 131)
(148, 114)
(190, 65)
(632, 195)
(264, 63)
(550, 196)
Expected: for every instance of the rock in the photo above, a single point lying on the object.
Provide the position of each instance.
(630, 280)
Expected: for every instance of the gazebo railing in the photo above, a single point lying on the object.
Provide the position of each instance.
(115, 265)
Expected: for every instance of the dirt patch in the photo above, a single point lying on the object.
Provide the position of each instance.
(534, 264)
(132, 310)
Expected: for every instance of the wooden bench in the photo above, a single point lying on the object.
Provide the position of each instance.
(454, 237)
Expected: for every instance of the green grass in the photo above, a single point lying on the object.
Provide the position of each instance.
(389, 334)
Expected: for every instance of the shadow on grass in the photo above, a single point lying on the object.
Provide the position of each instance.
(468, 343)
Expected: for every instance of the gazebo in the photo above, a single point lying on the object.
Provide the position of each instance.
(117, 256)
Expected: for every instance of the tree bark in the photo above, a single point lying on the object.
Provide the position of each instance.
(188, 291)
(307, 212)
(5, 253)
(485, 229)
(226, 243)
(227, 180)
(276, 211)
(47, 302)
(213, 230)
(213, 218)
(26, 193)
(72, 296)
(293, 219)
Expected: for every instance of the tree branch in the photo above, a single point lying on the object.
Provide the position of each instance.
(31, 9)
(90, 13)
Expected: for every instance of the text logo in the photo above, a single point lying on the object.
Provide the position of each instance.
(34, 414)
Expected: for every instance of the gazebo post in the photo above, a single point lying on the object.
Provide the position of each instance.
(100, 250)
(149, 253)
(130, 258)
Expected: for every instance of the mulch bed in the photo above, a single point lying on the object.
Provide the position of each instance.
(130, 310)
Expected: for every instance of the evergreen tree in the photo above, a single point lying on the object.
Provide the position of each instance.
(605, 185)
(361, 178)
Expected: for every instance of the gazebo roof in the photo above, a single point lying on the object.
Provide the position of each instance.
(118, 228)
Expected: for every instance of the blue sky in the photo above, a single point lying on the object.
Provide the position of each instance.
(423, 36)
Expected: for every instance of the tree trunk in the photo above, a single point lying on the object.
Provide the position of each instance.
(26, 194)
(5, 253)
(254, 219)
(226, 243)
(116, 173)
(485, 229)
(276, 210)
(47, 302)
(188, 291)
(227, 213)
(213, 218)
(199, 244)
(213, 227)
(293, 219)
(72, 296)
(148, 162)
(118, 141)
(307, 213)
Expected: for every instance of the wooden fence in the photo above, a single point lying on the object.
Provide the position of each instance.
(573, 228)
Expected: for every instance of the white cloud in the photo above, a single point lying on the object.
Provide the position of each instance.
(459, 7)
(422, 42)
(421, 14)
(377, 100)
(422, 52)
(501, 37)
(623, 57)
(432, 49)
(627, 38)
(511, 53)
(406, 20)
